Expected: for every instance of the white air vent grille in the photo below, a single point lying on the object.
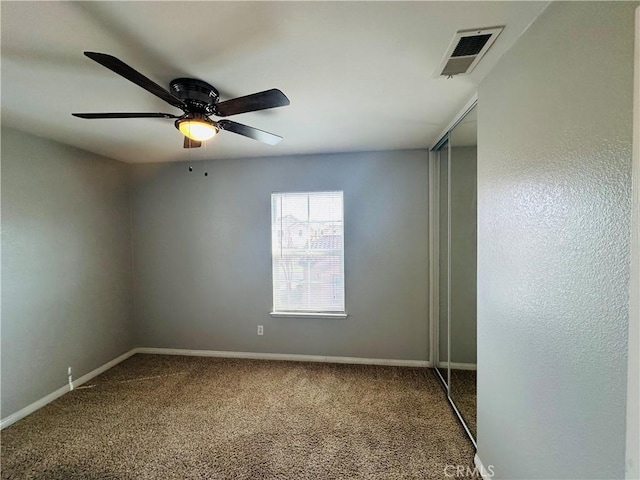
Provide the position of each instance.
(456, 66)
(466, 50)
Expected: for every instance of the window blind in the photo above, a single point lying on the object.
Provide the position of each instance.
(308, 252)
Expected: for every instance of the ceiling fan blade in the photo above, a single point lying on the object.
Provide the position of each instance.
(124, 115)
(251, 103)
(247, 131)
(188, 143)
(124, 70)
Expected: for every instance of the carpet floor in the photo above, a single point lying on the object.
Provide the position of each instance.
(464, 395)
(170, 417)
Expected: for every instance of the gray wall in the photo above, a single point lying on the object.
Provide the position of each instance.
(554, 203)
(203, 259)
(66, 265)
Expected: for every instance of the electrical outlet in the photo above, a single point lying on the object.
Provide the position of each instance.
(260, 330)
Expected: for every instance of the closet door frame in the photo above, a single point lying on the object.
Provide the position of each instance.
(434, 254)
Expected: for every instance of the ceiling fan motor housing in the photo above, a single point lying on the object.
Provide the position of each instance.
(198, 95)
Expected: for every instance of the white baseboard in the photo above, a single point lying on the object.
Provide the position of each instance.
(38, 404)
(284, 356)
(485, 473)
(94, 373)
(14, 417)
(463, 366)
(460, 366)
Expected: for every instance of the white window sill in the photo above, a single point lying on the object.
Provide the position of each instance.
(307, 315)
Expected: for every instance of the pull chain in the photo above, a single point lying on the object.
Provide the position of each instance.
(189, 140)
(206, 173)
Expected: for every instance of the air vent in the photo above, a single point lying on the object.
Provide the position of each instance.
(466, 50)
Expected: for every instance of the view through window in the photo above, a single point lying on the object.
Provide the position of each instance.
(308, 252)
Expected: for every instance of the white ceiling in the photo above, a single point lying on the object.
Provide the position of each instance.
(360, 75)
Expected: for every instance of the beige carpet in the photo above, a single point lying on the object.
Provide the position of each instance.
(464, 395)
(164, 417)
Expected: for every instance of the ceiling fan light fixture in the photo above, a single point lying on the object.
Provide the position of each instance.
(197, 128)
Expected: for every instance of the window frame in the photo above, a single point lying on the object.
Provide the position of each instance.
(306, 313)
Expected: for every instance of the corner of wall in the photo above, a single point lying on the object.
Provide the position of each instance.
(632, 467)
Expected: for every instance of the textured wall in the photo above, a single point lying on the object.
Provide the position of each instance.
(554, 198)
(66, 265)
(203, 256)
(633, 375)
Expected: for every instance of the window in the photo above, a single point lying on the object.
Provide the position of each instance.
(307, 249)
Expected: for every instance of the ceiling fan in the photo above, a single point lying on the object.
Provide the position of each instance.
(198, 100)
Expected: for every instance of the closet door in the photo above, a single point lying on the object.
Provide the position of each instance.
(443, 262)
(462, 242)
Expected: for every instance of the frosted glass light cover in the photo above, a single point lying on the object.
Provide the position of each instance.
(197, 130)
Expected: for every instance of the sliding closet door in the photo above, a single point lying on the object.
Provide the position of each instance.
(442, 156)
(462, 267)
